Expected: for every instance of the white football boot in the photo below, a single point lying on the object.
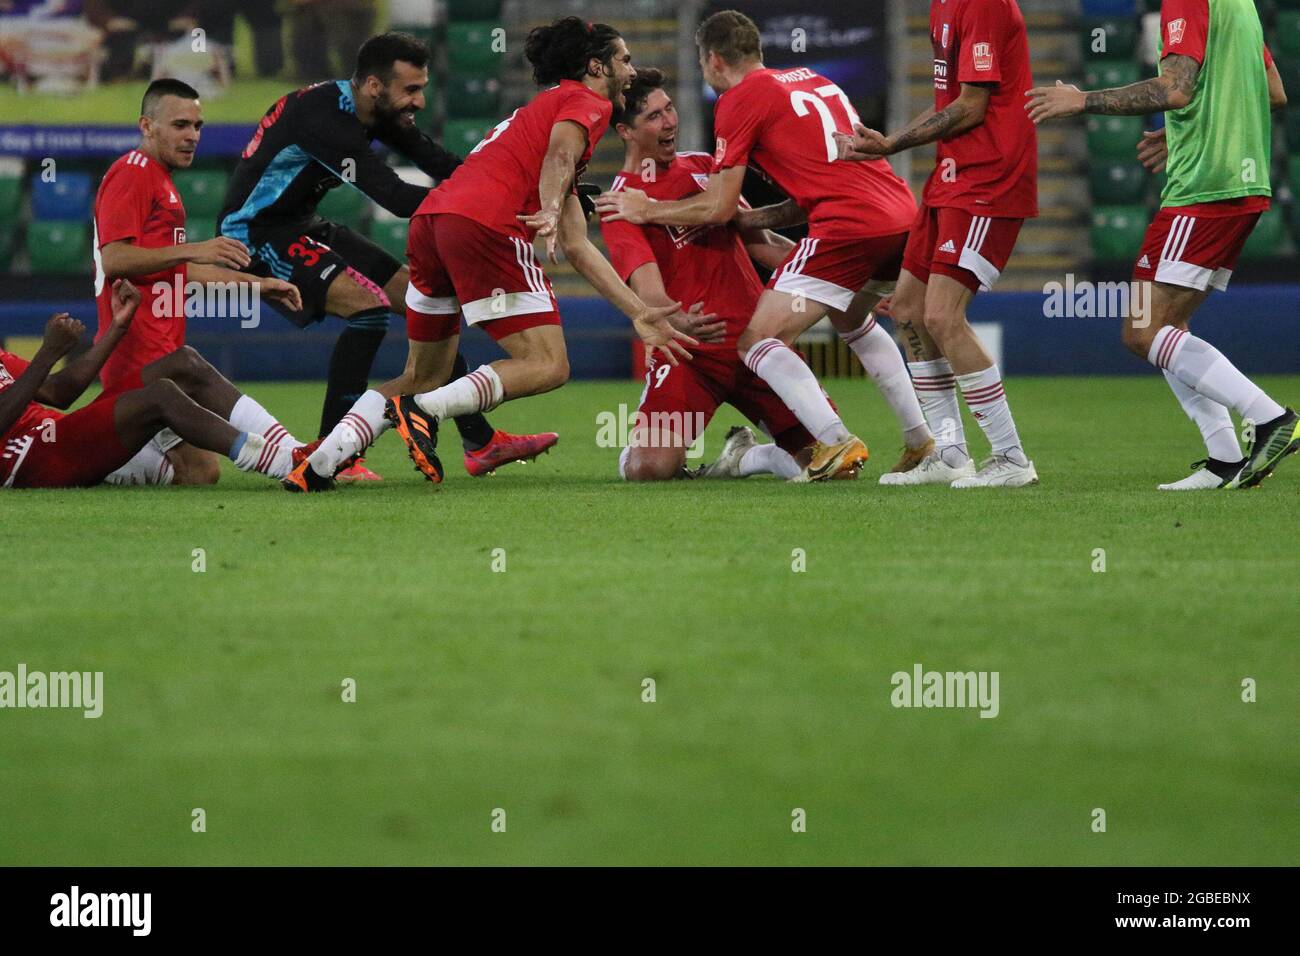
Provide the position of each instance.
(739, 440)
(1000, 471)
(932, 470)
(1201, 479)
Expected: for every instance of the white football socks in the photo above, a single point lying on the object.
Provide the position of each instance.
(987, 402)
(1204, 369)
(249, 416)
(790, 377)
(936, 390)
(265, 457)
(882, 360)
(479, 391)
(1210, 417)
(769, 459)
(355, 432)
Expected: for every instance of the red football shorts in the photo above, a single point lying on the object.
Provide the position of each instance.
(1193, 251)
(458, 265)
(832, 271)
(147, 340)
(685, 396)
(76, 451)
(951, 242)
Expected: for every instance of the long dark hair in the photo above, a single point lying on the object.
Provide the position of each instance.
(561, 50)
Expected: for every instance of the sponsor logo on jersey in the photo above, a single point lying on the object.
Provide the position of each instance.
(982, 53)
(940, 74)
(948, 247)
(720, 151)
(685, 235)
(325, 273)
(178, 235)
(1176, 30)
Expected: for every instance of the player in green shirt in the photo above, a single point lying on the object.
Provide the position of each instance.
(1216, 87)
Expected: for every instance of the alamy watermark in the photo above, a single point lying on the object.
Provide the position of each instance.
(78, 690)
(638, 429)
(1098, 300)
(970, 689)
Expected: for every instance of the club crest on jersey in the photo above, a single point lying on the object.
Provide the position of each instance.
(1176, 30)
(720, 151)
(5, 378)
(178, 235)
(982, 54)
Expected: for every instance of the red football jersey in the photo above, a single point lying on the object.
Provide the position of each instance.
(498, 181)
(14, 445)
(138, 201)
(782, 122)
(991, 170)
(706, 264)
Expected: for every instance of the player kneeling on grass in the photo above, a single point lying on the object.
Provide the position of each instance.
(471, 248)
(709, 266)
(113, 438)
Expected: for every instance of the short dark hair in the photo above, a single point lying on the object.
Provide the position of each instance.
(378, 54)
(647, 81)
(164, 87)
(731, 35)
(562, 49)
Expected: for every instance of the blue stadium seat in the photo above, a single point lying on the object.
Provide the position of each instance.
(66, 198)
(1109, 8)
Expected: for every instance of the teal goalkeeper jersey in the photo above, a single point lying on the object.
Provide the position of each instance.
(1220, 143)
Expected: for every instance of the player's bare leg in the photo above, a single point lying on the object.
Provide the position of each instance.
(142, 413)
(1207, 385)
(657, 457)
(764, 347)
(877, 352)
(980, 381)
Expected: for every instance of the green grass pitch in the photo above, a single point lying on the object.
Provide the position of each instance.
(522, 690)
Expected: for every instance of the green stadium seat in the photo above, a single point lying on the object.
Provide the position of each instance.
(1104, 74)
(1117, 183)
(471, 96)
(11, 190)
(1118, 39)
(1114, 137)
(1117, 231)
(469, 48)
(462, 135)
(390, 235)
(1265, 8)
(1286, 41)
(200, 228)
(1268, 239)
(202, 191)
(473, 9)
(57, 247)
(344, 205)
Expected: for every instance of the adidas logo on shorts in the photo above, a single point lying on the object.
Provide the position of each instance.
(948, 247)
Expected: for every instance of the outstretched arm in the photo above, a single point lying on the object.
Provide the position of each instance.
(965, 112)
(777, 216)
(66, 386)
(1171, 90)
(716, 205)
(62, 334)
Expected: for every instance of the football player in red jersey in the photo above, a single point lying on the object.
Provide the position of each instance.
(111, 439)
(708, 266)
(471, 250)
(782, 122)
(139, 234)
(984, 186)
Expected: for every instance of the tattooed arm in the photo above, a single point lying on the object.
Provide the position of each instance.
(778, 216)
(965, 112)
(1171, 90)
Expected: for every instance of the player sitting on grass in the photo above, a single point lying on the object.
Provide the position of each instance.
(113, 435)
(471, 249)
(709, 266)
(1216, 85)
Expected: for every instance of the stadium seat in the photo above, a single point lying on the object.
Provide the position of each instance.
(1114, 137)
(1109, 8)
(59, 248)
(1268, 239)
(469, 47)
(1119, 41)
(1288, 4)
(391, 236)
(9, 233)
(200, 228)
(462, 135)
(344, 205)
(1286, 41)
(1117, 183)
(1117, 231)
(473, 9)
(202, 191)
(66, 198)
(1104, 74)
(470, 96)
(1289, 69)
(11, 188)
